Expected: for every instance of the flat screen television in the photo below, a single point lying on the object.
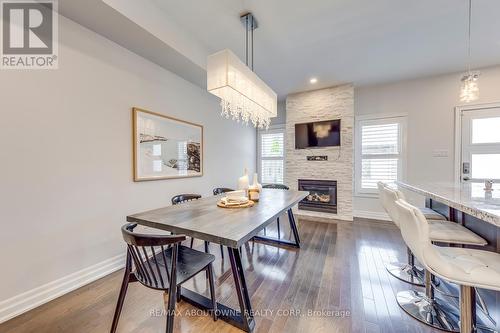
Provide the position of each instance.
(317, 134)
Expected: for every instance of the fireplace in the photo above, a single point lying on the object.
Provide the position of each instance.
(322, 195)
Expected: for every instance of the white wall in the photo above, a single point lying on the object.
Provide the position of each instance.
(66, 156)
(280, 118)
(429, 104)
(162, 25)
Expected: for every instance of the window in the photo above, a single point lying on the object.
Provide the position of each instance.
(485, 130)
(485, 166)
(379, 152)
(480, 140)
(271, 156)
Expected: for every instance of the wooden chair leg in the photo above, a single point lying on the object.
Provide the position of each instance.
(279, 233)
(222, 251)
(210, 272)
(170, 311)
(123, 292)
(207, 250)
(178, 294)
(171, 302)
(192, 241)
(165, 300)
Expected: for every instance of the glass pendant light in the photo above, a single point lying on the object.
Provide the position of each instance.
(470, 86)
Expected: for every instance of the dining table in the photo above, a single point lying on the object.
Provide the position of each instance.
(231, 227)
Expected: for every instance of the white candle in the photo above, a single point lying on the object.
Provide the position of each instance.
(243, 181)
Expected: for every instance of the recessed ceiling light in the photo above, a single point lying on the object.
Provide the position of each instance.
(313, 80)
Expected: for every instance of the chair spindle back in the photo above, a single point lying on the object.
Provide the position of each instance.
(184, 198)
(148, 255)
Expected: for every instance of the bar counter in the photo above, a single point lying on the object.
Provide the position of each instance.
(470, 198)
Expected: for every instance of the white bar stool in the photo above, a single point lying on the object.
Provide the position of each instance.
(406, 272)
(468, 268)
(441, 231)
(450, 233)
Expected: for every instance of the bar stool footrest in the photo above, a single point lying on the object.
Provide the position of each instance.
(406, 273)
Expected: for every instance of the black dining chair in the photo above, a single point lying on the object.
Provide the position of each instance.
(276, 187)
(181, 198)
(220, 190)
(160, 262)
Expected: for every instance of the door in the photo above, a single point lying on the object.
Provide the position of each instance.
(480, 145)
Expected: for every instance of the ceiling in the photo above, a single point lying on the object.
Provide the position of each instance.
(340, 41)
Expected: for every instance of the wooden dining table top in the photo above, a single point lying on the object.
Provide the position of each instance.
(231, 227)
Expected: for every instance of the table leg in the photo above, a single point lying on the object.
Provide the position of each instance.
(243, 318)
(241, 288)
(293, 225)
(276, 241)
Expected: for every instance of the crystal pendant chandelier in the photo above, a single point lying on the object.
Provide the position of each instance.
(244, 96)
(469, 89)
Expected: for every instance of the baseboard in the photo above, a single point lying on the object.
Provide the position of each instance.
(371, 215)
(333, 219)
(322, 216)
(31, 299)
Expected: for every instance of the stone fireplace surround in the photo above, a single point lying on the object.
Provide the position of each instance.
(324, 104)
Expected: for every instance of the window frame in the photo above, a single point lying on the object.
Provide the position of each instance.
(471, 148)
(459, 110)
(360, 121)
(272, 129)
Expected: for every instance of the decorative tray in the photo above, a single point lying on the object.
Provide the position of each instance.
(247, 204)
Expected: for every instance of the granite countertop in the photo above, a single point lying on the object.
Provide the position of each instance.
(469, 198)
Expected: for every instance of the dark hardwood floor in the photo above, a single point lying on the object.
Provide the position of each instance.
(338, 273)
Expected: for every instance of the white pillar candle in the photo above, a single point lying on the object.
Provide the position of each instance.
(243, 181)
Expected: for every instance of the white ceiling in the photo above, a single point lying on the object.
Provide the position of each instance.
(339, 41)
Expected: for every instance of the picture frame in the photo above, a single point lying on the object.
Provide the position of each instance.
(165, 147)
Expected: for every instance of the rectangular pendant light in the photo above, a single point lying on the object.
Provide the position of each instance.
(240, 88)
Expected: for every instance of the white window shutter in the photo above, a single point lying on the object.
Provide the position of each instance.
(272, 171)
(379, 153)
(272, 154)
(272, 145)
(380, 139)
(375, 170)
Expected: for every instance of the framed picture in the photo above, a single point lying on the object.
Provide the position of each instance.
(165, 147)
